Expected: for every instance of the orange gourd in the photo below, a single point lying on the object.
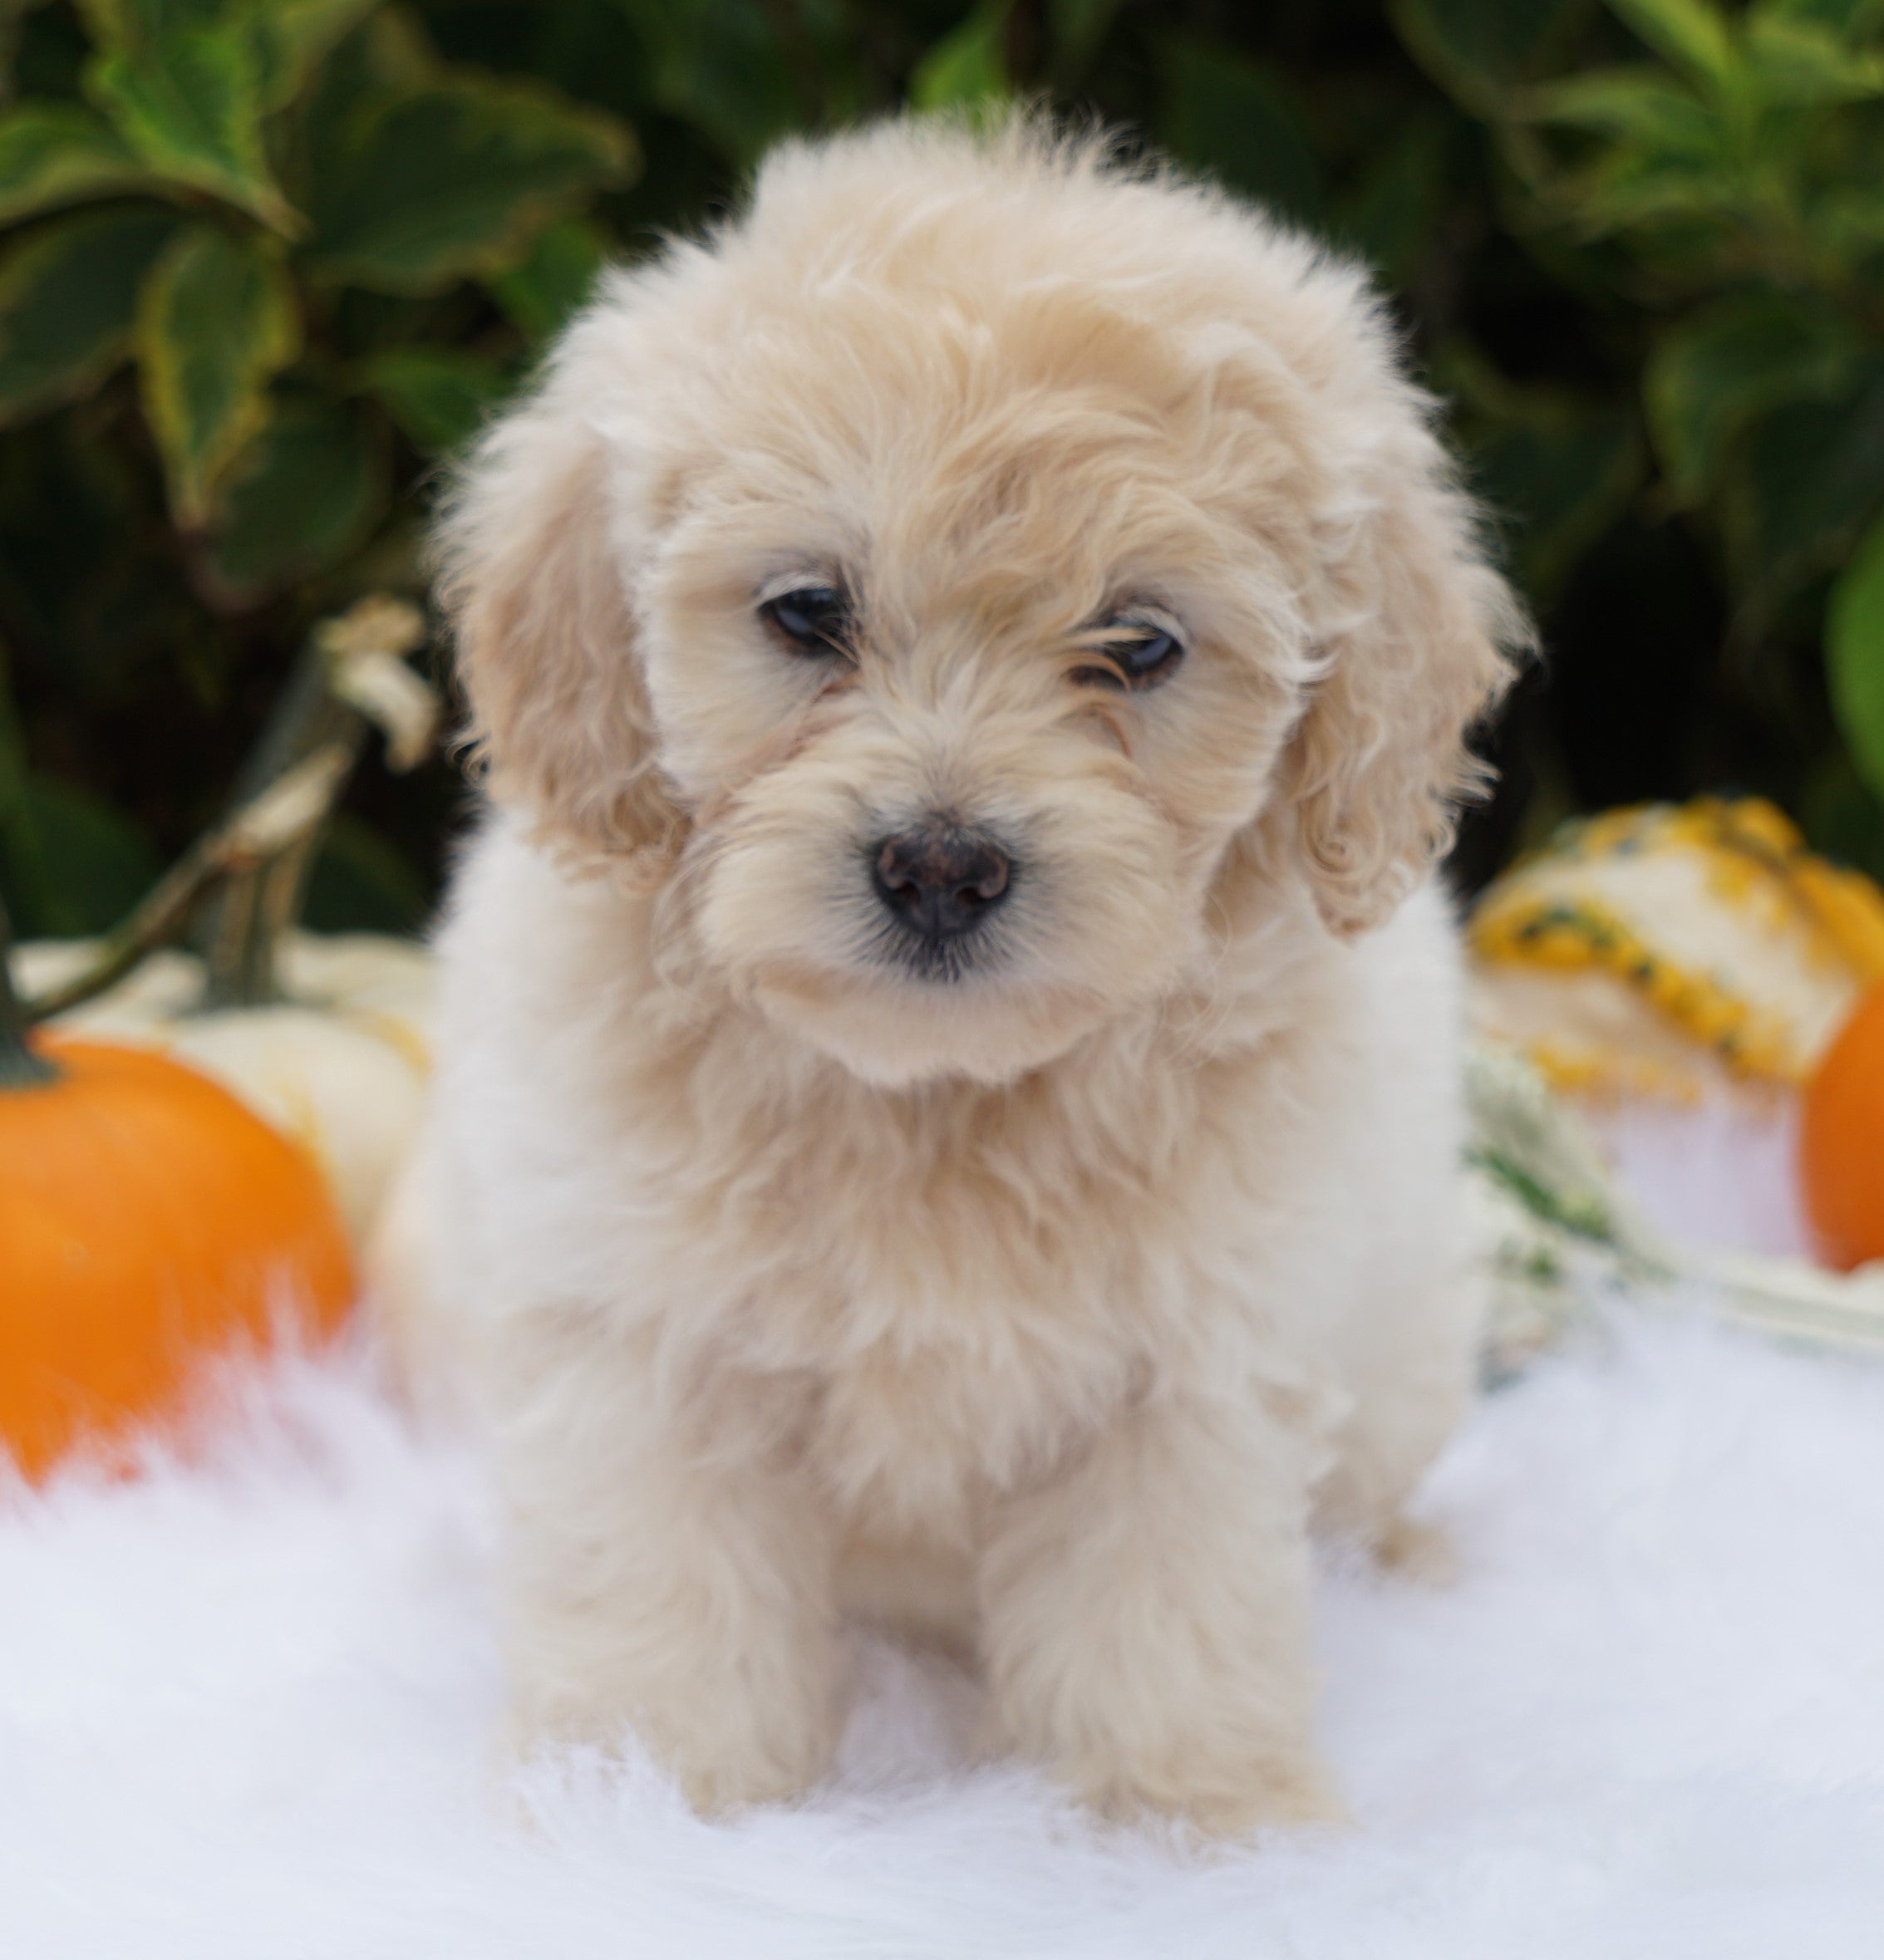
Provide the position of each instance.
(147, 1218)
(1842, 1140)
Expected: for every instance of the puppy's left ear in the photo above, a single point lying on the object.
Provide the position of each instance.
(534, 580)
(1420, 638)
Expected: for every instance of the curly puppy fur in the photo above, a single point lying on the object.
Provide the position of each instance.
(1036, 1302)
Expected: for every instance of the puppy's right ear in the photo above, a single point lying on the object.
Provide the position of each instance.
(533, 583)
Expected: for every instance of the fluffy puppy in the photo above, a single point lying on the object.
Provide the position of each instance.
(946, 1107)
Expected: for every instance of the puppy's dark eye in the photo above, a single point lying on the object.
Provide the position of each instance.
(813, 619)
(1135, 653)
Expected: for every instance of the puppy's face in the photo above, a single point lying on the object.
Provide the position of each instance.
(935, 596)
(964, 699)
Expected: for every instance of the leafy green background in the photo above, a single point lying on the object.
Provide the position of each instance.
(263, 263)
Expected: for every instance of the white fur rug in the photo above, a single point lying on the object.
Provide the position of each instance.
(243, 1707)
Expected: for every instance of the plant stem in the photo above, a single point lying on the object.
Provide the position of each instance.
(20, 1067)
(261, 901)
(159, 919)
(257, 859)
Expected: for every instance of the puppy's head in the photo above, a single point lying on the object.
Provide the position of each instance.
(931, 577)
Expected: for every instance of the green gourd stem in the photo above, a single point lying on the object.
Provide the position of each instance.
(20, 1067)
(160, 919)
(259, 904)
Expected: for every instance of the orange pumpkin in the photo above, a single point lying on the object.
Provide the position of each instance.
(147, 1217)
(1842, 1140)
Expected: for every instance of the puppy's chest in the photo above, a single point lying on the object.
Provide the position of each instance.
(936, 1337)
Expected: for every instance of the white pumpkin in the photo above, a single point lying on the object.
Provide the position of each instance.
(342, 1068)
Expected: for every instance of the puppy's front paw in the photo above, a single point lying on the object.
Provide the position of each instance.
(1423, 1553)
(727, 1743)
(721, 1774)
(1273, 1800)
(1231, 1805)
(721, 1767)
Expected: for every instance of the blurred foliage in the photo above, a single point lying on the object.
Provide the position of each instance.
(262, 262)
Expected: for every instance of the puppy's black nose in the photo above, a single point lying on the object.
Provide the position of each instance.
(941, 879)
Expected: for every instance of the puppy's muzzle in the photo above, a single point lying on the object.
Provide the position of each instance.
(941, 880)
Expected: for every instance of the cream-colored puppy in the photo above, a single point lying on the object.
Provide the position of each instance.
(947, 1102)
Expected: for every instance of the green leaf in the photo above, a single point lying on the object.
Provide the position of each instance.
(555, 277)
(1848, 222)
(1810, 475)
(1558, 482)
(23, 878)
(1705, 382)
(1799, 62)
(451, 179)
(133, 23)
(1843, 17)
(188, 99)
(1626, 192)
(216, 322)
(1077, 28)
(68, 294)
(59, 153)
(1391, 211)
(360, 883)
(1693, 34)
(387, 56)
(1477, 50)
(439, 395)
(13, 19)
(967, 67)
(1854, 657)
(1842, 818)
(717, 64)
(1225, 115)
(1556, 469)
(96, 863)
(292, 36)
(1660, 116)
(308, 491)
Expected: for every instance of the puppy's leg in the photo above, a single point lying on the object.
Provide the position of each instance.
(1411, 1382)
(1146, 1621)
(655, 1579)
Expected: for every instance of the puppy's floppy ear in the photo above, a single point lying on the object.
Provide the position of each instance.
(533, 580)
(1419, 637)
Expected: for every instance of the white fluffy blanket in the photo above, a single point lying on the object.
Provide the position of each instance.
(243, 1706)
